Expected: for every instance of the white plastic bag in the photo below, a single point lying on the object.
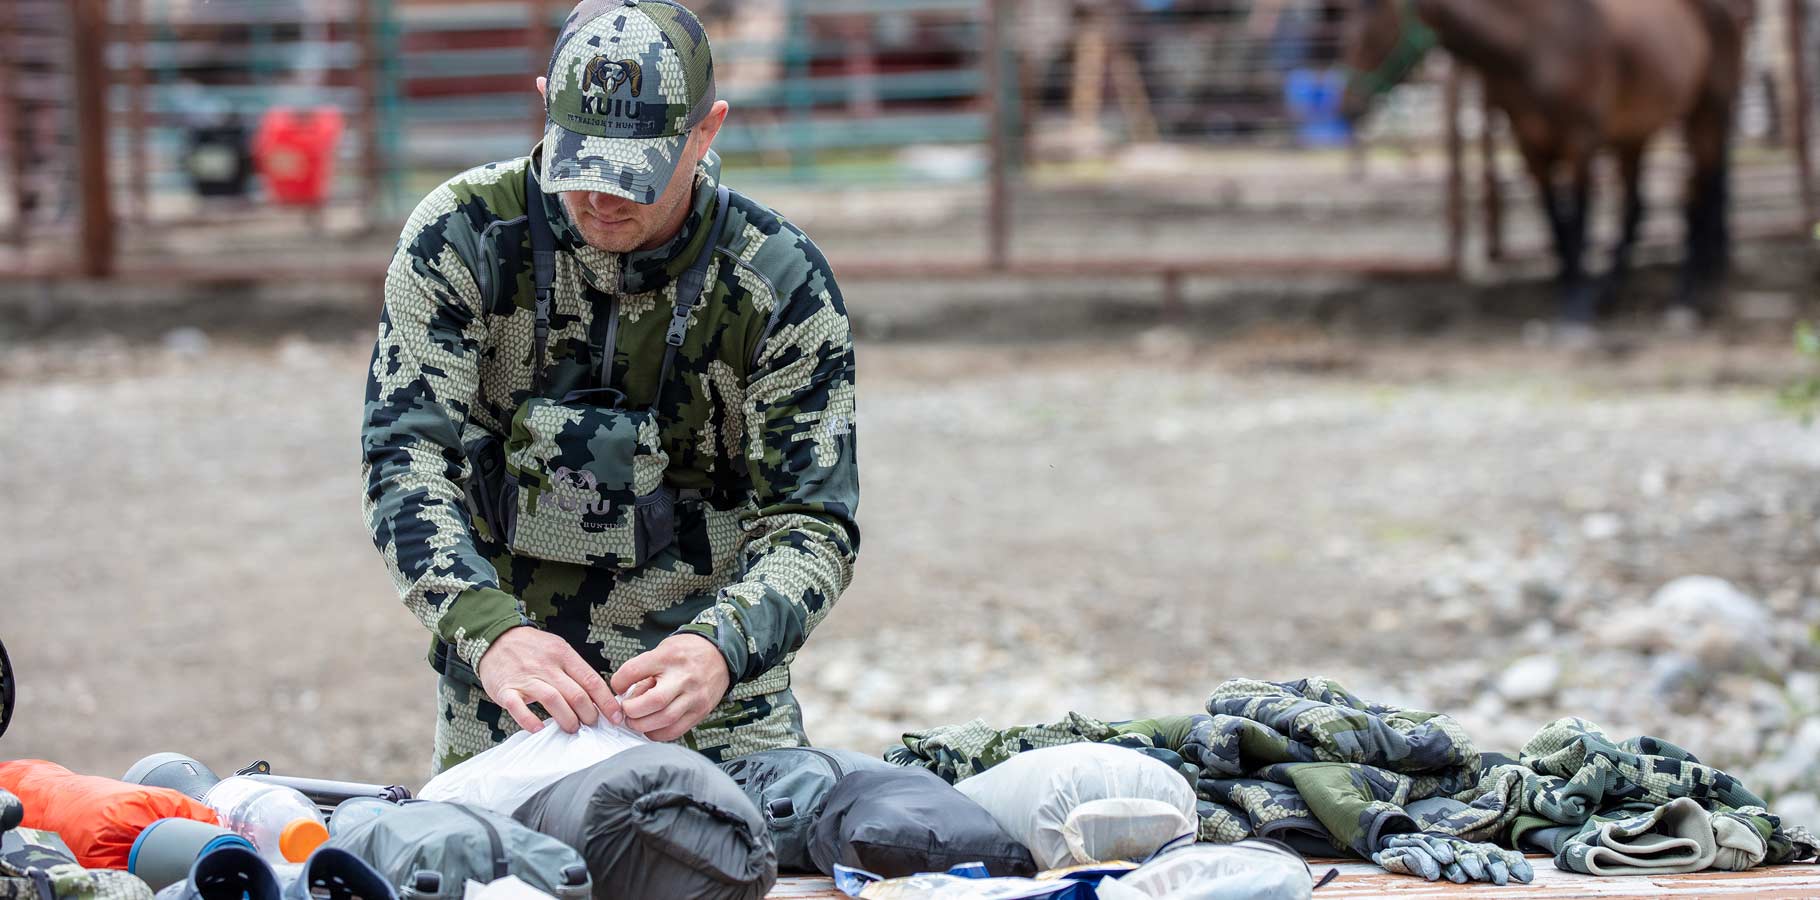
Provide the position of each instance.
(1085, 803)
(503, 778)
(1247, 870)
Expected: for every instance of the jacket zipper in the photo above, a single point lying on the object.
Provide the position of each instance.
(501, 866)
(612, 341)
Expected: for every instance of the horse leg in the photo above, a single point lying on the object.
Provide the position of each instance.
(1579, 297)
(1630, 171)
(1708, 199)
(1557, 207)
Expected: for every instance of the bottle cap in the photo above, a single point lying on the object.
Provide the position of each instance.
(301, 838)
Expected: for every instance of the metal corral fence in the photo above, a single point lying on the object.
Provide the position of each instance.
(194, 139)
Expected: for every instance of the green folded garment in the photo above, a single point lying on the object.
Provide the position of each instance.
(1668, 840)
(1679, 837)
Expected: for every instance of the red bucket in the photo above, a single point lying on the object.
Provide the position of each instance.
(294, 151)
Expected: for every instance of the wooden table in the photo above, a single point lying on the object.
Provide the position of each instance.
(1359, 880)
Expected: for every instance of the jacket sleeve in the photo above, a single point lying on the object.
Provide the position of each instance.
(423, 378)
(801, 541)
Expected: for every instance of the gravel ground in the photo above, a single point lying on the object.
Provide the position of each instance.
(1113, 527)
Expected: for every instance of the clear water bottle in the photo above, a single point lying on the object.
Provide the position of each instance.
(281, 822)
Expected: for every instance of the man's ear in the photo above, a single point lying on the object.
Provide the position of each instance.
(709, 127)
(543, 87)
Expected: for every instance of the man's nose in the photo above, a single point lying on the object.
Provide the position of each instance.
(602, 202)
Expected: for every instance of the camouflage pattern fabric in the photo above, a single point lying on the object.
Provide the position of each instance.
(961, 751)
(626, 83)
(1683, 836)
(1309, 763)
(758, 419)
(37, 865)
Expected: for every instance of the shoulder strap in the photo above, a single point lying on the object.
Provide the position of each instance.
(688, 293)
(543, 274)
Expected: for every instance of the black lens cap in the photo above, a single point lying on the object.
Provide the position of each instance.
(6, 689)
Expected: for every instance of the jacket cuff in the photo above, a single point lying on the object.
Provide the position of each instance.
(477, 618)
(725, 635)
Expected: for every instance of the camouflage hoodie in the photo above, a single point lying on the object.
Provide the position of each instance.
(758, 417)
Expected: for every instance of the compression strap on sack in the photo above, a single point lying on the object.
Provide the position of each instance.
(543, 274)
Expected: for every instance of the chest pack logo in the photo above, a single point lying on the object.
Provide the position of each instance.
(609, 75)
(590, 503)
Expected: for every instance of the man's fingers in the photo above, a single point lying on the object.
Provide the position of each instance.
(554, 704)
(636, 669)
(661, 696)
(514, 705)
(669, 734)
(592, 684)
(672, 723)
(579, 701)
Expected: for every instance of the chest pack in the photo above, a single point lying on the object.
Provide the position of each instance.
(580, 478)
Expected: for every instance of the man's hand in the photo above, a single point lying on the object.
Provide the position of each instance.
(683, 679)
(527, 665)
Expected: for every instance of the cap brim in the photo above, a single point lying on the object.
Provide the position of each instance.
(637, 169)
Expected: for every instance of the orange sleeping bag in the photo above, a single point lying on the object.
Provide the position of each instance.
(97, 817)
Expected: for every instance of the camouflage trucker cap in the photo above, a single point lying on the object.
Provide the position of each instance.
(627, 81)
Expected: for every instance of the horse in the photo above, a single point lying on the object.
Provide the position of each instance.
(1575, 78)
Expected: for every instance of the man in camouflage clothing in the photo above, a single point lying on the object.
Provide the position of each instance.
(756, 420)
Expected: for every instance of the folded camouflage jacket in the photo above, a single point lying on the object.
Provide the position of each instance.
(1309, 763)
(757, 423)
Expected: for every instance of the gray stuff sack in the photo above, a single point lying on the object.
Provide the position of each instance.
(790, 787)
(907, 821)
(429, 850)
(659, 820)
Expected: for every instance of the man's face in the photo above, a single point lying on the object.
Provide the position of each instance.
(618, 225)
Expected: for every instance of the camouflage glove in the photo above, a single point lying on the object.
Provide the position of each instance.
(1434, 857)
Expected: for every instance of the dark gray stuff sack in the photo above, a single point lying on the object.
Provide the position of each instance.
(432, 850)
(659, 821)
(905, 821)
(790, 787)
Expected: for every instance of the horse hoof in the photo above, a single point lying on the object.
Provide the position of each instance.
(1681, 320)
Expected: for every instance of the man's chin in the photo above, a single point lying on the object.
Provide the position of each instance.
(613, 240)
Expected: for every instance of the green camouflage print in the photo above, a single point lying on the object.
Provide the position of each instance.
(575, 501)
(467, 723)
(29, 856)
(1355, 765)
(758, 418)
(962, 751)
(1309, 763)
(626, 83)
